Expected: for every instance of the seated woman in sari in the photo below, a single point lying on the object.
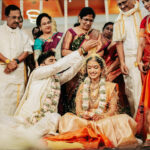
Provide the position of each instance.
(74, 38)
(48, 39)
(143, 62)
(96, 106)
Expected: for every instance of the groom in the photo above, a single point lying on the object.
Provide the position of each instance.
(38, 107)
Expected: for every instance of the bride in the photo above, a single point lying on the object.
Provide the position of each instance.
(96, 106)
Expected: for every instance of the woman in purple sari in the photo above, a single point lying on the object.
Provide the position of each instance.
(48, 40)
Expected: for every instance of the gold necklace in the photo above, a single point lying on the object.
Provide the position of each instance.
(94, 93)
(95, 86)
(87, 37)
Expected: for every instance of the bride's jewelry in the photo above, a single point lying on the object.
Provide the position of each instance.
(94, 86)
(94, 94)
(93, 97)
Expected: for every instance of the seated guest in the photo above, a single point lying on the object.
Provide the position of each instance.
(48, 40)
(96, 106)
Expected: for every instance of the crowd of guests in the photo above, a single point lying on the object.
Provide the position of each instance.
(86, 81)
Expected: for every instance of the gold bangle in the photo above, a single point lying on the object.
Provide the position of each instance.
(136, 64)
(7, 61)
(83, 51)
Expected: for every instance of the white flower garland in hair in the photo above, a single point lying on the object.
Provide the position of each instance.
(101, 97)
(51, 102)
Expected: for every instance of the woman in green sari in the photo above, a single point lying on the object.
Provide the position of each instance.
(74, 39)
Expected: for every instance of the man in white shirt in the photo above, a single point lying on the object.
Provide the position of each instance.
(38, 106)
(126, 30)
(14, 48)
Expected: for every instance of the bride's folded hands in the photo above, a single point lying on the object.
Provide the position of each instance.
(97, 117)
(86, 116)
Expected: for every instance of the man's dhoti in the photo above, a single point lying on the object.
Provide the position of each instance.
(11, 89)
(10, 95)
(133, 84)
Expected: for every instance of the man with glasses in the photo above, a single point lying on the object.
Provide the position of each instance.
(126, 31)
(14, 48)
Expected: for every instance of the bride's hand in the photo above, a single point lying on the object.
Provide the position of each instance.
(86, 116)
(97, 117)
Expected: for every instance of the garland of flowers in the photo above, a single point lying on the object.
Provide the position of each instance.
(51, 102)
(101, 97)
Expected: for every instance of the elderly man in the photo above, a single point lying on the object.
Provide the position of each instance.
(126, 31)
(14, 48)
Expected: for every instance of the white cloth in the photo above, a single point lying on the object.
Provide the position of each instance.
(15, 136)
(126, 29)
(36, 90)
(47, 125)
(13, 42)
(133, 85)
